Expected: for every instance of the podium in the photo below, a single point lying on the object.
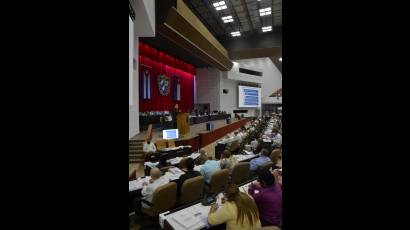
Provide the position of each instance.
(183, 123)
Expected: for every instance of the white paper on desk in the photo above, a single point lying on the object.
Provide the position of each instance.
(133, 185)
(194, 210)
(248, 152)
(175, 171)
(175, 160)
(186, 219)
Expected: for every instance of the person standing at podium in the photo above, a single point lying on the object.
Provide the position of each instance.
(175, 112)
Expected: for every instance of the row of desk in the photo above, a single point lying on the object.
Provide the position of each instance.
(174, 173)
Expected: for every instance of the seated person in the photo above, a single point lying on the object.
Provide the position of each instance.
(242, 132)
(227, 161)
(190, 173)
(163, 164)
(209, 168)
(275, 156)
(148, 189)
(254, 144)
(277, 173)
(267, 194)
(227, 139)
(276, 138)
(239, 211)
(149, 147)
(200, 160)
(264, 158)
(236, 137)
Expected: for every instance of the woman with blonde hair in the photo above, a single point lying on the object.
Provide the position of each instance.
(238, 212)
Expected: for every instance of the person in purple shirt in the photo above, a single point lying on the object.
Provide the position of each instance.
(267, 194)
(264, 157)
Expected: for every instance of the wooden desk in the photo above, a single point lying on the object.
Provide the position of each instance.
(207, 137)
(204, 138)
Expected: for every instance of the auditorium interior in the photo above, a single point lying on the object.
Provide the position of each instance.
(205, 114)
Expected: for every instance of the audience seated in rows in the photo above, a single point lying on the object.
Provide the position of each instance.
(267, 194)
(238, 212)
(227, 161)
(189, 173)
(261, 160)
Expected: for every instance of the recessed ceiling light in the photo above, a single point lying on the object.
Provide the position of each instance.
(236, 34)
(265, 11)
(266, 28)
(227, 19)
(220, 5)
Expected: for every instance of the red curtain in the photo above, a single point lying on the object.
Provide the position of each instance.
(162, 63)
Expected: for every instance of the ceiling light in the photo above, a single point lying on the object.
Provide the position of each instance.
(227, 19)
(266, 28)
(265, 11)
(220, 5)
(280, 59)
(236, 34)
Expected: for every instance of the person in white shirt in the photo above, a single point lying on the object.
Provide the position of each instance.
(227, 139)
(242, 135)
(148, 189)
(276, 138)
(254, 144)
(149, 147)
(236, 137)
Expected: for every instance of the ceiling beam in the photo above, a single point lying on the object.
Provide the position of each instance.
(236, 15)
(245, 5)
(273, 16)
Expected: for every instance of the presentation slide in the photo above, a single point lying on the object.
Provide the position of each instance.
(169, 134)
(249, 97)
